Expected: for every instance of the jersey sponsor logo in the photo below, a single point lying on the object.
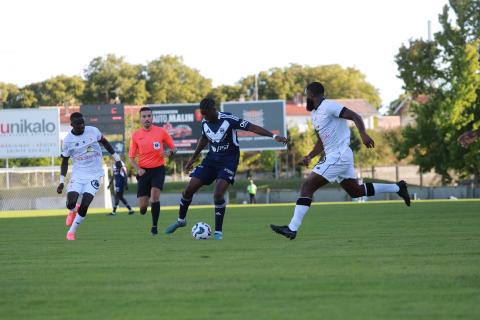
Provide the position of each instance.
(221, 148)
(92, 155)
(156, 145)
(244, 124)
(95, 184)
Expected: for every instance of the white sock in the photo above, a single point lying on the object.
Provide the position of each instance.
(297, 218)
(384, 187)
(181, 220)
(78, 220)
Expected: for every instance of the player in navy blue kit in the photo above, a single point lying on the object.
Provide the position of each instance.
(219, 131)
(120, 183)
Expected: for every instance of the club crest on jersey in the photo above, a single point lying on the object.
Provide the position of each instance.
(95, 184)
(156, 145)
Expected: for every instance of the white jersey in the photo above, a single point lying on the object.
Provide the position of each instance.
(332, 130)
(85, 152)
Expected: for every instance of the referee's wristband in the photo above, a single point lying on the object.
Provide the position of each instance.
(62, 179)
(274, 136)
(116, 157)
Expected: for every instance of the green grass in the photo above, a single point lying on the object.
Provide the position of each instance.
(350, 261)
(293, 183)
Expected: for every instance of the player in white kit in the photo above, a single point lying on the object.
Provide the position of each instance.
(82, 145)
(330, 122)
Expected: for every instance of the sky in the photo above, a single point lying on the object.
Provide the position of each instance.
(224, 40)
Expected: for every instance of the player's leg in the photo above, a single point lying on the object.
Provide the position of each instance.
(221, 187)
(369, 189)
(313, 182)
(144, 185)
(72, 198)
(124, 201)
(155, 208)
(158, 179)
(116, 202)
(82, 212)
(193, 186)
(203, 174)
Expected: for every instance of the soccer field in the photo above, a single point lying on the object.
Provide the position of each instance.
(349, 261)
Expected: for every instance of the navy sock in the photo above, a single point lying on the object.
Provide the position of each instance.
(184, 204)
(155, 213)
(219, 214)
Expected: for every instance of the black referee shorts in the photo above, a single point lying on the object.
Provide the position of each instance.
(153, 177)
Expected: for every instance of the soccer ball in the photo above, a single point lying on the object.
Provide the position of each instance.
(201, 231)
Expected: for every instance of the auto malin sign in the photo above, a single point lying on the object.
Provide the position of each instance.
(29, 133)
(182, 121)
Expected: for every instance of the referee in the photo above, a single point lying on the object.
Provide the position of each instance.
(147, 142)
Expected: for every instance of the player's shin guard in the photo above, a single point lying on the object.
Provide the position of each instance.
(155, 213)
(219, 214)
(184, 204)
(301, 209)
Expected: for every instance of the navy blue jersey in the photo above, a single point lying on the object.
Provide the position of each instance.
(222, 134)
(119, 176)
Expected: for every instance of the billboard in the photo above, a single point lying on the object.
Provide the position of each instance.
(29, 133)
(110, 120)
(182, 121)
(269, 114)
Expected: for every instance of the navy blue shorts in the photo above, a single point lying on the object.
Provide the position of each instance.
(210, 170)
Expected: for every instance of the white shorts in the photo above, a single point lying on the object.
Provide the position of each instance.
(336, 167)
(89, 185)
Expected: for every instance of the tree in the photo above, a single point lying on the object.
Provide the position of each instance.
(224, 93)
(380, 155)
(112, 79)
(59, 90)
(446, 71)
(169, 80)
(290, 82)
(8, 93)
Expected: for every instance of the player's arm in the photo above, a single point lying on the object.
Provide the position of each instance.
(168, 140)
(125, 178)
(63, 173)
(202, 143)
(264, 132)
(468, 137)
(110, 182)
(135, 165)
(351, 115)
(132, 156)
(317, 149)
(109, 148)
